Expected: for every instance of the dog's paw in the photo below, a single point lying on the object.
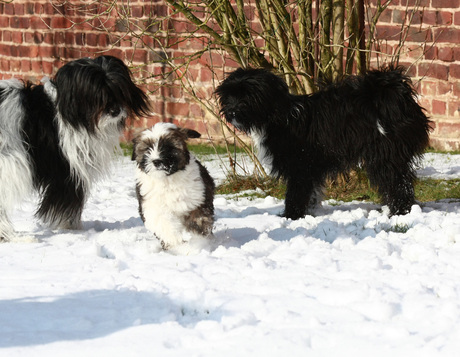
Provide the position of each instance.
(192, 246)
(21, 238)
(293, 215)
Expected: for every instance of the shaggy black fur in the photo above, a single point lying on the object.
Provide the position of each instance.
(371, 120)
(83, 92)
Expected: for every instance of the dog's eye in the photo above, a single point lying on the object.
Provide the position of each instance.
(114, 112)
(231, 115)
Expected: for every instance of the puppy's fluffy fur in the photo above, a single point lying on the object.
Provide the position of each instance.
(58, 137)
(371, 120)
(175, 192)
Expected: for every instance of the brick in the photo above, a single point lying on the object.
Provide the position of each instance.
(40, 23)
(140, 55)
(4, 22)
(443, 88)
(8, 9)
(60, 23)
(450, 35)
(47, 51)
(441, 4)
(433, 70)
(28, 37)
(18, 9)
(448, 129)
(431, 53)
(456, 89)
(33, 51)
(446, 54)
(80, 39)
(436, 17)
(7, 36)
(15, 65)
(412, 3)
(175, 92)
(71, 53)
(457, 18)
(17, 37)
(37, 67)
(428, 87)
(445, 18)
(5, 50)
(419, 35)
(48, 38)
(403, 16)
(454, 71)
(137, 11)
(29, 8)
(103, 40)
(206, 75)
(177, 109)
(453, 109)
(438, 107)
(5, 65)
(25, 65)
(196, 111)
(59, 38)
(69, 38)
(24, 51)
(47, 67)
(91, 39)
(19, 22)
(46, 8)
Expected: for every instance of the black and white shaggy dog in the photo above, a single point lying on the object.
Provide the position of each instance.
(372, 120)
(174, 190)
(57, 138)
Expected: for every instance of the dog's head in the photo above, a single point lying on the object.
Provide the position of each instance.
(250, 98)
(95, 92)
(162, 150)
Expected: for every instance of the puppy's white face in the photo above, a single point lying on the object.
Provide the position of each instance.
(161, 151)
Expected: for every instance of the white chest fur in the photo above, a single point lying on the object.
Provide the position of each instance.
(167, 199)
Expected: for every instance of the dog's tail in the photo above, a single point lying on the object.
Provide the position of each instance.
(395, 101)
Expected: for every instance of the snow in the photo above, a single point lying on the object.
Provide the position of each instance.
(348, 282)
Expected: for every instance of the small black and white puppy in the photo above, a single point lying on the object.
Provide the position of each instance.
(58, 137)
(174, 190)
(372, 120)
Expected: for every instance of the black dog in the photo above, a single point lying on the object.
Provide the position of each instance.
(370, 120)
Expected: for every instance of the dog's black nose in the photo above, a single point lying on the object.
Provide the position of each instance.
(157, 163)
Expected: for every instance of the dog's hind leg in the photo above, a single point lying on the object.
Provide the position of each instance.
(395, 185)
(298, 198)
(401, 196)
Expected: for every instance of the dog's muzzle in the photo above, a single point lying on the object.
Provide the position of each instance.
(163, 165)
(232, 117)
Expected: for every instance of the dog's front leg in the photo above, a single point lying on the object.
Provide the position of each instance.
(298, 194)
(62, 204)
(6, 228)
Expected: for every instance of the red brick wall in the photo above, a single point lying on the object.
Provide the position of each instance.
(37, 38)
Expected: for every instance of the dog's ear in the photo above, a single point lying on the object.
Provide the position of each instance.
(190, 133)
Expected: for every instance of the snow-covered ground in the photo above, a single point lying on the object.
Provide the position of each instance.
(348, 282)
